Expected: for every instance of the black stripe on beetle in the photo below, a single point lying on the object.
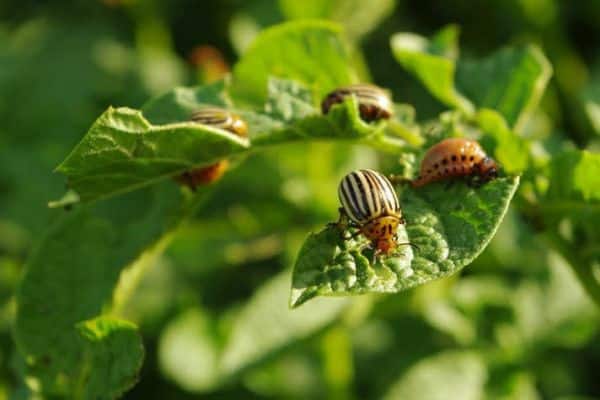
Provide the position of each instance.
(373, 102)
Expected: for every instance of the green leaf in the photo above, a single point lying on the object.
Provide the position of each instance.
(460, 375)
(290, 116)
(266, 325)
(188, 351)
(357, 16)
(590, 99)
(433, 62)
(449, 226)
(312, 52)
(575, 176)
(511, 81)
(177, 105)
(122, 151)
(77, 271)
(509, 149)
(113, 354)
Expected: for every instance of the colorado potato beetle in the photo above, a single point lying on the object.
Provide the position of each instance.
(373, 102)
(453, 158)
(370, 204)
(216, 118)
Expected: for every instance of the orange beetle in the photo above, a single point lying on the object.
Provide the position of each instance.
(216, 118)
(456, 157)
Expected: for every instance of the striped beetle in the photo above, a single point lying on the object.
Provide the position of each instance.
(369, 203)
(216, 118)
(373, 102)
(456, 157)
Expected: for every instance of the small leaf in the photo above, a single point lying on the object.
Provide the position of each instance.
(122, 151)
(433, 62)
(460, 375)
(450, 227)
(113, 354)
(511, 81)
(311, 52)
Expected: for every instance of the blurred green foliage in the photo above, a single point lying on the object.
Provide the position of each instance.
(208, 298)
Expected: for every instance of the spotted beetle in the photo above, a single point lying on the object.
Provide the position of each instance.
(453, 158)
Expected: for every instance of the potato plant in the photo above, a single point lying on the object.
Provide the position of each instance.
(231, 288)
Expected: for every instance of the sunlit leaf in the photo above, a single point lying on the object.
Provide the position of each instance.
(433, 62)
(122, 151)
(358, 17)
(461, 374)
(509, 149)
(511, 81)
(311, 52)
(449, 226)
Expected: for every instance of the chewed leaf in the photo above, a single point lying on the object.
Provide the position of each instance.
(290, 114)
(450, 227)
(122, 151)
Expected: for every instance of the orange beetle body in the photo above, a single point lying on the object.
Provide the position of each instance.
(453, 158)
(216, 118)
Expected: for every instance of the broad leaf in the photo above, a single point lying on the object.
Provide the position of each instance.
(122, 151)
(460, 375)
(450, 227)
(433, 62)
(76, 270)
(511, 81)
(113, 355)
(312, 52)
(358, 17)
